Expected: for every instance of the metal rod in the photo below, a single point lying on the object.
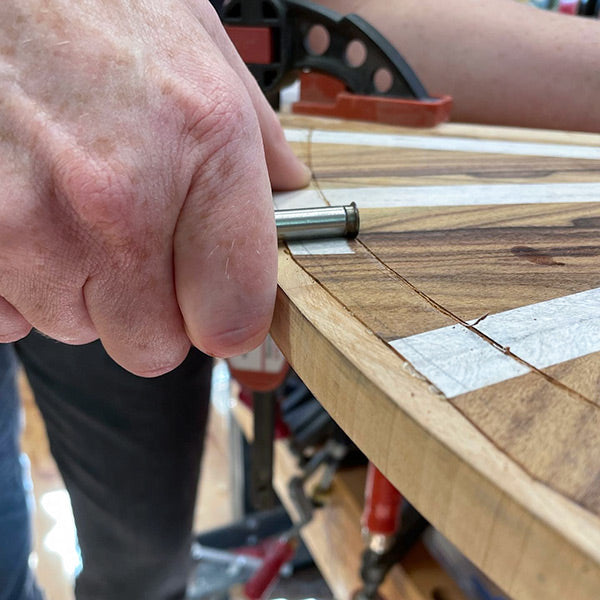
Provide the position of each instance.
(313, 223)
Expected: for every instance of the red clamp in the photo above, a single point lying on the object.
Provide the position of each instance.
(324, 95)
(381, 514)
(278, 553)
(274, 39)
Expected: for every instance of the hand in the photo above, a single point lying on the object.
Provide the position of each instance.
(135, 201)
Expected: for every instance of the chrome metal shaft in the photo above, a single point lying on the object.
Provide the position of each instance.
(313, 223)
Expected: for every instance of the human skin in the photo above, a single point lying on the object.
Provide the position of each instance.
(503, 62)
(137, 158)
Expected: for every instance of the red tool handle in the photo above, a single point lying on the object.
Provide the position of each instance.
(279, 553)
(262, 369)
(381, 514)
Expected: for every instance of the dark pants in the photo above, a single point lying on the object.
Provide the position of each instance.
(129, 451)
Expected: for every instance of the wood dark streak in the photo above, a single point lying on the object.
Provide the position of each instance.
(535, 256)
(587, 222)
(492, 264)
(373, 163)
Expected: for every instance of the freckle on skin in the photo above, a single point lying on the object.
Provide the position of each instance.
(8, 51)
(104, 145)
(166, 88)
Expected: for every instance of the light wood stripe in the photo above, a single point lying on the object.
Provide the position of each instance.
(446, 143)
(443, 195)
(457, 360)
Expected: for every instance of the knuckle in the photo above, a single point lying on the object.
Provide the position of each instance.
(99, 195)
(105, 209)
(225, 140)
(224, 116)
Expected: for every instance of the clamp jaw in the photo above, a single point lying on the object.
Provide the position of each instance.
(274, 39)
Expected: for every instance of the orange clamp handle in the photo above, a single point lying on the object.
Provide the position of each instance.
(324, 95)
(381, 514)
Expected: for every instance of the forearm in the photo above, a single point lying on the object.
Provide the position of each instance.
(501, 61)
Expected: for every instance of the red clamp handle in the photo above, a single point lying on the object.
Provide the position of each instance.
(381, 514)
(278, 554)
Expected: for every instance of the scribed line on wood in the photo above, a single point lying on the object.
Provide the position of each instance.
(512, 363)
(471, 261)
(540, 335)
(505, 350)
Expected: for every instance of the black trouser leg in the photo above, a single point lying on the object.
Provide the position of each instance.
(129, 451)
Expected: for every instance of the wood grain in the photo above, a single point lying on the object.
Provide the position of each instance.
(509, 472)
(402, 166)
(477, 269)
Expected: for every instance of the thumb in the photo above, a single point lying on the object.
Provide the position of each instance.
(286, 170)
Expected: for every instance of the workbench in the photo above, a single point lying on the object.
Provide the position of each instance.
(457, 339)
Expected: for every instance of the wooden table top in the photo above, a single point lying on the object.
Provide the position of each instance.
(457, 340)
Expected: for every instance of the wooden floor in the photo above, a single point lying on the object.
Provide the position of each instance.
(457, 340)
(54, 557)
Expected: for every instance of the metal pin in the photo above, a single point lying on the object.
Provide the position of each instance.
(313, 223)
